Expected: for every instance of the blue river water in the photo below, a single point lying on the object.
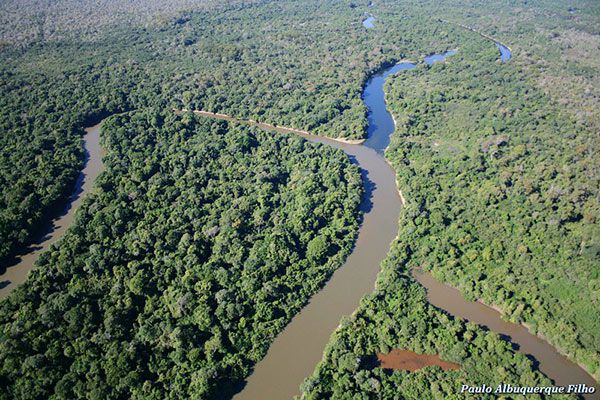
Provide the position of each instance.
(381, 123)
(505, 53)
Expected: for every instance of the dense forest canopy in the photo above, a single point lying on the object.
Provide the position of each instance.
(26, 21)
(498, 163)
(305, 71)
(501, 175)
(555, 42)
(201, 241)
(506, 200)
(397, 315)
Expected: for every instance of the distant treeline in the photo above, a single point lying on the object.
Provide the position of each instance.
(289, 63)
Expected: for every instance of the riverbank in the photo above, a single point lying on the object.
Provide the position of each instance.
(285, 129)
(306, 336)
(270, 369)
(552, 362)
(16, 274)
(493, 39)
(267, 126)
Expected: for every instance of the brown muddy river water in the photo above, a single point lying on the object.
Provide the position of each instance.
(299, 347)
(551, 363)
(16, 273)
(296, 351)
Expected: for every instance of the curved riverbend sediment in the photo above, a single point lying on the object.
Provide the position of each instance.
(17, 273)
(505, 51)
(295, 352)
(299, 347)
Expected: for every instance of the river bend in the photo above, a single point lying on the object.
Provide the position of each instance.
(299, 347)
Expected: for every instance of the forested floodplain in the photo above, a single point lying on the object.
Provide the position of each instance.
(203, 239)
(556, 44)
(501, 180)
(504, 186)
(397, 315)
(299, 64)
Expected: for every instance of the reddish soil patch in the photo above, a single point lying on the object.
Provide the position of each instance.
(411, 361)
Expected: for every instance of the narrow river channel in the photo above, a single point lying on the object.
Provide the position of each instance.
(16, 273)
(296, 351)
(299, 347)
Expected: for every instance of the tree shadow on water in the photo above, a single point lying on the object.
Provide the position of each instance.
(45, 231)
(230, 389)
(369, 187)
(366, 205)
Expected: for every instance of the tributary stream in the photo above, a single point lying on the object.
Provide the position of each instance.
(299, 347)
(15, 273)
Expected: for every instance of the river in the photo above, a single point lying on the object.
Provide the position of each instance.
(505, 53)
(550, 362)
(369, 21)
(16, 273)
(299, 347)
